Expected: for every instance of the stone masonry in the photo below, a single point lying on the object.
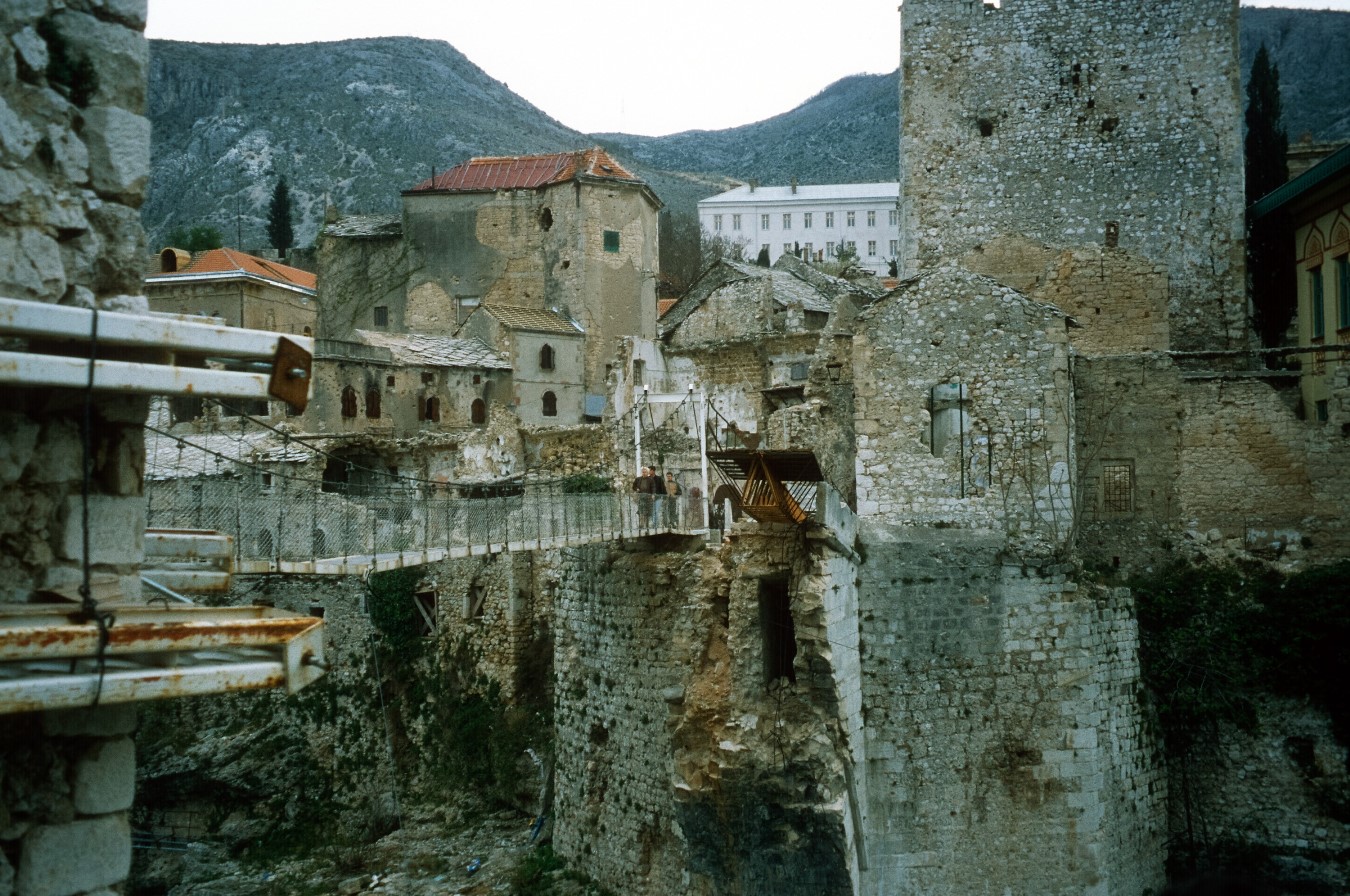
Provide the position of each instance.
(74, 158)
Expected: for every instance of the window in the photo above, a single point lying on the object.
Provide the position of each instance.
(779, 633)
(1343, 290)
(895, 248)
(389, 381)
(787, 248)
(763, 222)
(787, 221)
(872, 248)
(852, 246)
(611, 241)
(895, 218)
(829, 219)
(546, 218)
(798, 370)
(1318, 311)
(871, 219)
(183, 408)
(829, 250)
(373, 404)
(1117, 488)
(381, 315)
(810, 251)
(265, 542)
(546, 357)
(428, 377)
(851, 219)
(348, 402)
(431, 409)
(1323, 413)
(806, 220)
(717, 224)
(425, 602)
(735, 222)
(478, 413)
(550, 404)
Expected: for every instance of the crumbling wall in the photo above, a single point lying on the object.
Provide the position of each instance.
(1006, 745)
(1069, 125)
(1000, 417)
(357, 274)
(74, 159)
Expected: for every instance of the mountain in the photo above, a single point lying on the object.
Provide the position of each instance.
(356, 122)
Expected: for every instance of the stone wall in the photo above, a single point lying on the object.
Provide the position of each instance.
(1006, 748)
(1069, 125)
(1000, 418)
(74, 158)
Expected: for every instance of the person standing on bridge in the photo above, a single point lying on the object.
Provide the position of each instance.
(645, 486)
(672, 490)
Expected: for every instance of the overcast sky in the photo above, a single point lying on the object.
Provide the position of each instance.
(642, 67)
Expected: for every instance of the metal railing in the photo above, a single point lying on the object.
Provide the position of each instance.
(296, 526)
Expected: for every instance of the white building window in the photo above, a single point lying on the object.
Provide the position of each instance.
(787, 221)
(735, 222)
(829, 219)
(872, 248)
(895, 248)
(852, 246)
(851, 220)
(829, 250)
(717, 222)
(806, 220)
(895, 217)
(871, 219)
(810, 252)
(787, 248)
(763, 222)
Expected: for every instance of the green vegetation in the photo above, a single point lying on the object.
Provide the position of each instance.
(195, 239)
(279, 229)
(1270, 252)
(587, 484)
(540, 870)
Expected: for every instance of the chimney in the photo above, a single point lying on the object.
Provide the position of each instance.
(753, 184)
(794, 186)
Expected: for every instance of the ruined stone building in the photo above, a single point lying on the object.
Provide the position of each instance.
(813, 221)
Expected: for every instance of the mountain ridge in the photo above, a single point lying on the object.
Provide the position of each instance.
(355, 122)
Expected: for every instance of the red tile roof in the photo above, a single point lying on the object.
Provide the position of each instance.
(481, 175)
(232, 261)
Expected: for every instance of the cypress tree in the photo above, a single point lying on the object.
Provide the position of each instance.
(279, 219)
(1270, 249)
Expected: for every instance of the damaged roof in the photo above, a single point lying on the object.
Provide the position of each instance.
(436, 351)
(486, 174)
(366, 227)
(786, 287)
(535, 319)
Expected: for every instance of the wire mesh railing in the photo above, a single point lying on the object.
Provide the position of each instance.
(292, 521)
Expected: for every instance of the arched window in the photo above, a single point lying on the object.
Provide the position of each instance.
(373, 404)
(348, 402)
(546, 357)
(550, 404)
(431, 409)
(478, 414)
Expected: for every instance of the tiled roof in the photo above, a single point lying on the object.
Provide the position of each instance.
(435, 351)
(664, 305)
(541, 321)
(488, 173)
(366, 227)
(232, 261)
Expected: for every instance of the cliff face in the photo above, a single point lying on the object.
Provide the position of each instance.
(358, 121)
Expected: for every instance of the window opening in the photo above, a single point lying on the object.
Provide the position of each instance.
(546, 357)
(1323, 410)
(550, 404)
(546, 218)
(425, 604)
(1117, 488)
(611, 241)
(1343, 291)
(389, 381)
(1318, 308)
(381, 315)
(474, 599)
(265, 543)
(431, 409)
(478, 412)
(779, 632)
(348, 402)
(373, 404)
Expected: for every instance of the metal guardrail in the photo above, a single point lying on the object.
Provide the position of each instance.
(297, 527)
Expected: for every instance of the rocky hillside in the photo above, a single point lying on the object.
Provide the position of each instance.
(358, 121)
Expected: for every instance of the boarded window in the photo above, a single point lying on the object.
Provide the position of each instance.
(424, 602)
(779, 632)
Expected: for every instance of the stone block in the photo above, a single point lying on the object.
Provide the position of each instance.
(119, 152)
(105, 778)
(16, 449)
(30, 262)
(116, 529)
(61, 860)
(96, 721)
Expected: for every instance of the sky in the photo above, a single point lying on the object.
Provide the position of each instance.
(644, 67)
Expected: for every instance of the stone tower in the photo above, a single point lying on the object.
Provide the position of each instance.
(1061, 124)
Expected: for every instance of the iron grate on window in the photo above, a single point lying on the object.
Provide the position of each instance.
(1117, 488)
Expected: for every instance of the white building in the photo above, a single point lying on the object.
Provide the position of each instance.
(809, 220)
